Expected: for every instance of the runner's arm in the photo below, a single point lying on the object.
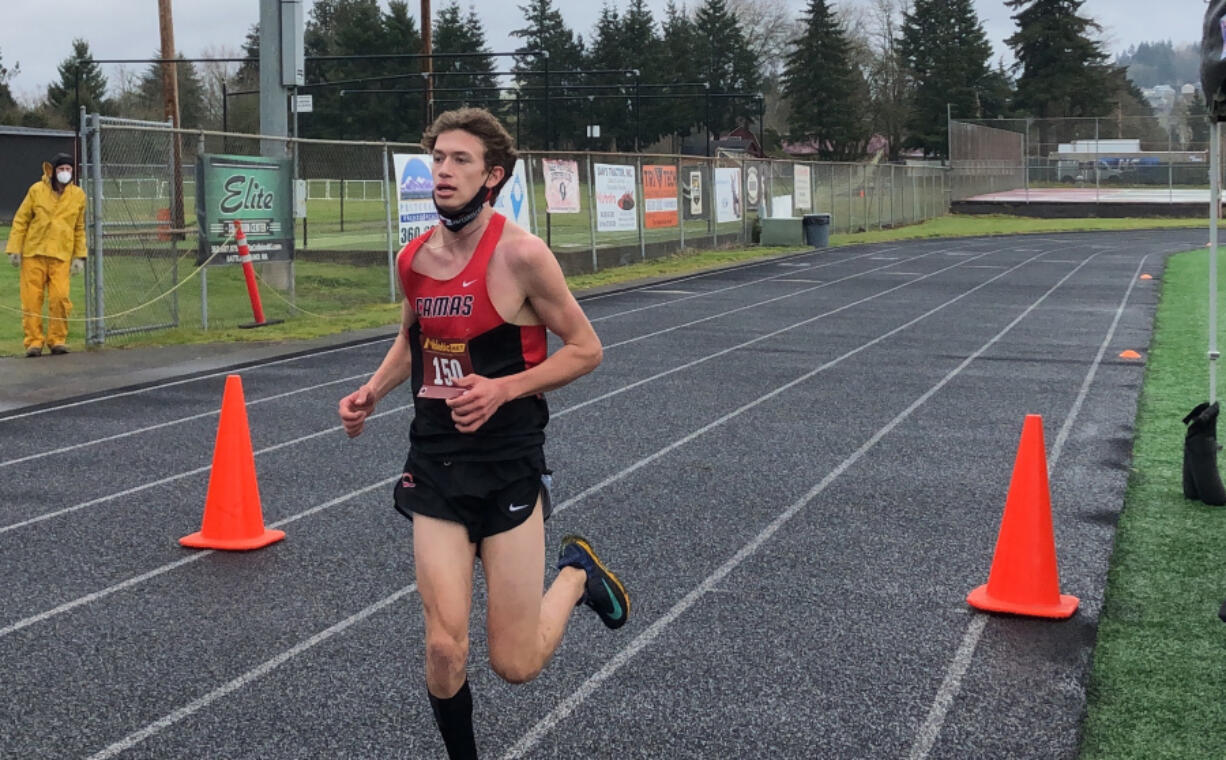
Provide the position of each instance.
(545, 287)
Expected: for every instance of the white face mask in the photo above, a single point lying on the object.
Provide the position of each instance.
(64, 177)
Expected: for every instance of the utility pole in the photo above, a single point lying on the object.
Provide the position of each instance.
(170, 91)
(428, 61)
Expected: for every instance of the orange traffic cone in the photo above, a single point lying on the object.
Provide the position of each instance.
(232, 517)
(1024, 579)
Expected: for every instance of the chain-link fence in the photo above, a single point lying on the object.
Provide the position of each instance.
(140, 178)
(1169, 152)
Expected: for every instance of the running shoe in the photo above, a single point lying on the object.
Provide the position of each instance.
(604, 593)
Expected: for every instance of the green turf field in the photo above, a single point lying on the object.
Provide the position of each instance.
(1159, 667)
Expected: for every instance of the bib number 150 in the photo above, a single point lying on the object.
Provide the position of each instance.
(446, 371)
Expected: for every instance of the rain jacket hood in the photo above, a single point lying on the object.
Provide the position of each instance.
(48, 224)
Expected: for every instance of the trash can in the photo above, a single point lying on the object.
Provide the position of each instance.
(816, 229)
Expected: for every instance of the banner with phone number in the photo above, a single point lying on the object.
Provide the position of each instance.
(415, 193)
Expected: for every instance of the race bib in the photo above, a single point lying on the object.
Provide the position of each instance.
(445, 361)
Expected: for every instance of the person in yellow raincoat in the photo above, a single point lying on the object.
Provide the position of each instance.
(47, 242)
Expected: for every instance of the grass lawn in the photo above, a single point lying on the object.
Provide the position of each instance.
(1156, 688)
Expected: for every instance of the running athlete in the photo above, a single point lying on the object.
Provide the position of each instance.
(479, 294)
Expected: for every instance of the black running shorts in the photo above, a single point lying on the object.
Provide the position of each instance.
(486, 497)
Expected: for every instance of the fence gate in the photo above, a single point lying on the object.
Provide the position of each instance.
(129, 181)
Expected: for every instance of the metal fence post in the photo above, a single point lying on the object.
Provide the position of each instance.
(204, 272)
(642, 212)
(389, 232)
(99, 335)
(681, 204)
(591, 210)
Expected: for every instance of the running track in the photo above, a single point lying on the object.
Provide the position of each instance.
(798, 467)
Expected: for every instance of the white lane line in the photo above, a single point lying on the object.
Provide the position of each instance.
(138, 579)
(784, 297)
(567, 706)
(196, 379)
(269, 665)
(951, 684)
(574, 407)
(171, 423)
(280, 361)
(323, 352)
(179, 476)
(705, 293)
(131, 740)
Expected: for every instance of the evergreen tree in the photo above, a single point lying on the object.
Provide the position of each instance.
(825, 90)
(680, 39)
(556, 123)
(727, 64)
(150, 102)
(605, 52)
(359, 27)
(643, 48)
(947, 55)
(9, 112)
(1197, 122)
(454, 33)
(1063, 73)
(401, 116)
(81, 84)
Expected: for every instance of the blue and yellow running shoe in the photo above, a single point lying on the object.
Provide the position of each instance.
(604, 593)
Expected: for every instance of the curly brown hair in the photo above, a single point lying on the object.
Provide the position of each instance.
(480, 123)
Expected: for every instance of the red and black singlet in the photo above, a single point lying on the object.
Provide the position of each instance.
(458, 331)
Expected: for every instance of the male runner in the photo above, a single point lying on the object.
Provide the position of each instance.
(479, 294)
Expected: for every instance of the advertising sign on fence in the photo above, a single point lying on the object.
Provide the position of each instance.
(752, 185)
(727, 195)
(561, 186)
(258, 191)
(512, 201)
(695, 193)
(800, 190)
(415, 191)
(615, 198)
(659, 196)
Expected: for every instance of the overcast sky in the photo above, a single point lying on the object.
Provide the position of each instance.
(38, 37)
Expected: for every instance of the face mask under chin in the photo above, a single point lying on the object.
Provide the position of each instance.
(459, 219)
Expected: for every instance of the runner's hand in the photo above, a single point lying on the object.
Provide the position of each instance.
(481, 399)
(15, 259)
(78, 266)
(355, 408)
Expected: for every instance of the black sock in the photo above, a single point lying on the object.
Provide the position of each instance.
(454, 717)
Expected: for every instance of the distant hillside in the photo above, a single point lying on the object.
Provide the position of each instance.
(1154, 63)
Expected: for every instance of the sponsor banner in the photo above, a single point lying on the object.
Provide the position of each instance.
(694, 193)
(415, 194)
(257, 191)
(615, 198)
(659, 196)
(561, 186)
(727, 195)
(512, 201)
(753, 184)
(800, 190)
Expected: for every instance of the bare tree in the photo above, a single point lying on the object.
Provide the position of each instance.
(215, 74)
(889, 86)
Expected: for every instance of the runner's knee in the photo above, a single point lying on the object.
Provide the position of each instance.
(447, 652)
(514, 666)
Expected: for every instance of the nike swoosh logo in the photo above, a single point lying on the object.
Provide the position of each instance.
(516, 507)
(617, 608)
(466, 283)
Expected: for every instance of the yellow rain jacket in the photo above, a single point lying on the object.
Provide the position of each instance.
(49, 225)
